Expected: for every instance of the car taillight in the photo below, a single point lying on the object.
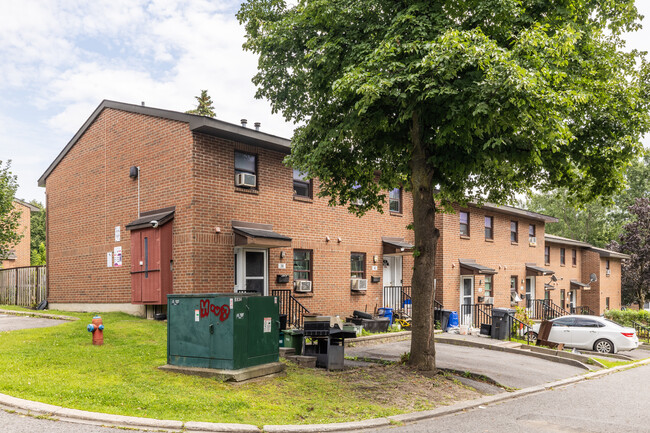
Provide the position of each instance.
(628, 334)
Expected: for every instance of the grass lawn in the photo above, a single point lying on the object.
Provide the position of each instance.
(59, 365)
(609, 364)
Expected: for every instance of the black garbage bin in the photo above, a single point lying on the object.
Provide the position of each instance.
(444, 319)
(501, 323)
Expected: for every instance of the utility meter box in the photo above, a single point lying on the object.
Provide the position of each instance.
(226, 331)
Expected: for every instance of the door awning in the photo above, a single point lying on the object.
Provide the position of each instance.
(580, 285)
(396, 246)
(470, 267)
(154, 218)
(258, 235)
(538, 271)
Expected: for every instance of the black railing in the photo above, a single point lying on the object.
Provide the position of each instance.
(475, 314)
(395, 297)
(545, 309)
(518, 329)
(290, 306)
(583, 309)
(642, 331)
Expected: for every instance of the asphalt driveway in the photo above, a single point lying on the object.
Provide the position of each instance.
(9, 322)
(509, 369)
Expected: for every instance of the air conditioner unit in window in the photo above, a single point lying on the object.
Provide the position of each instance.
(358, 284)
(302, 286)
(532, 240)
(245, 179)
(608, 272)
(488, 300)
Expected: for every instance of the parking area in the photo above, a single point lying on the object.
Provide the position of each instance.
(10, 322)
(508, 369)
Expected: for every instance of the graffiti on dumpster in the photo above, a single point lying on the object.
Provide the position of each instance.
(222, 312)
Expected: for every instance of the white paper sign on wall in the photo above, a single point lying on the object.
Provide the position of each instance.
(117, 257)
(282, 266)
(109, 260)
(117, 233)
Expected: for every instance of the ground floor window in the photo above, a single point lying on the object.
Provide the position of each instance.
(358, 265)
(488, 285)
(302, 264)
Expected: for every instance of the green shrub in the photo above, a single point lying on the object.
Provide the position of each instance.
(626, 317)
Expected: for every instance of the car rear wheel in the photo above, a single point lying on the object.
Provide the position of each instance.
(604, 346)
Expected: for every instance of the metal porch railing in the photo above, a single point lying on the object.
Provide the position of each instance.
(290, 306)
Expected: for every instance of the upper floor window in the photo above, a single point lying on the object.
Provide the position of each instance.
(464, 223)
(302, 264)
(489, 233)
(514, 231)
(245, 164)
(607, 264)
(562, 258)
(301, 184)
(547, 255)
(395, 200)
(531, 234)
(358, 265)
(574, 257)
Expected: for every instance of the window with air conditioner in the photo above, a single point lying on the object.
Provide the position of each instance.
(358, 284)
(302, 286)
(245, 170)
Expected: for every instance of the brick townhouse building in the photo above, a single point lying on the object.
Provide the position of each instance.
(143, 202)
(19, 255)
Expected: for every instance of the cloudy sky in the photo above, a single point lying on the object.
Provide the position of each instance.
(61, 58)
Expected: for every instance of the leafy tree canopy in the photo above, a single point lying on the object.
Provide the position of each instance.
(9, 216)
(37, 231)
(204, 106)
(597, 222)
(477, 99)
(635, 241)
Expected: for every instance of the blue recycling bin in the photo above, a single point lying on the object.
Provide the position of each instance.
(386, 312)
(453, 319)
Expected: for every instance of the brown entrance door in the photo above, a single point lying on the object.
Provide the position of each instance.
(145, 265)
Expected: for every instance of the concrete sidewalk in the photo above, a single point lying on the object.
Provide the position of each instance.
(10, 322)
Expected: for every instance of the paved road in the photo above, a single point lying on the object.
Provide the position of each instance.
(15, 423)
(613, 403)
(516, 371)
(9, 322)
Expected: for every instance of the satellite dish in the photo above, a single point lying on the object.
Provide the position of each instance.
(593, 278)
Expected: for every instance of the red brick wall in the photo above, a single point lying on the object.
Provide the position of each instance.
(307, 222)
(90, 192)
(507, 258)
(565, 273)
(22, 249)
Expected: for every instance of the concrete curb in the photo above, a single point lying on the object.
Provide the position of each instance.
(379, 338)
(36, 314)
(74, 415)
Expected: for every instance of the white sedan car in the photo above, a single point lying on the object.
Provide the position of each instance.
(591, 333)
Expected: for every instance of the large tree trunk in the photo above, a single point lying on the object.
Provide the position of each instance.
(423, 351)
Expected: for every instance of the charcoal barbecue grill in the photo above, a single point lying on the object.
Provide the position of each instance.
(326, 341)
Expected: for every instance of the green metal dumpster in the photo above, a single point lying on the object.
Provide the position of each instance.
(226, 331)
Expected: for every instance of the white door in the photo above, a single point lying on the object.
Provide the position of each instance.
(251, 270)
(572, 300)
(393, 282)
(530, 294)
(392, 271)
(466, 299)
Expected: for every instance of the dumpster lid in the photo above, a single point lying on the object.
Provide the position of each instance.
(470, 267)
